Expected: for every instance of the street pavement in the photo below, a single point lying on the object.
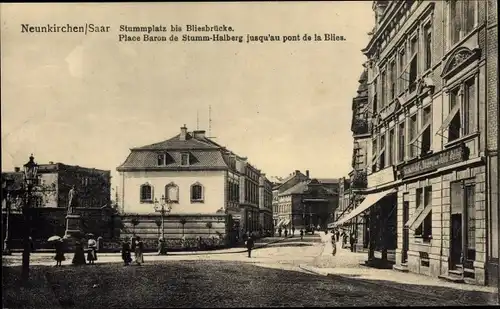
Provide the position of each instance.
(291, 272)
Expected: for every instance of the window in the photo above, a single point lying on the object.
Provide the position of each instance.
(392, 149)
(184, 159)
(401, 150)
(455, 124)
(428, 47)
(426, 130)
(412, 81)
(470, 209)
(146, 193)
(412, 134)
(172, 192)
(383, 94)
(402, 66)
(392, 87)
(469, 107)
(161, 159)
(462, 19)
(382, 152)
(196, 193)
(424, 196)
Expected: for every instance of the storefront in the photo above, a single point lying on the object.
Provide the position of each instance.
(442, 230)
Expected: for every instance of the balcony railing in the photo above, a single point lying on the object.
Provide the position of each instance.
(359, 180)
(359, 126)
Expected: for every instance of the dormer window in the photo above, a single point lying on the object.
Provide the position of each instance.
(185, 159)
(162, 160)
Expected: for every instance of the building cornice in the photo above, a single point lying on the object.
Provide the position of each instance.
(382, 28)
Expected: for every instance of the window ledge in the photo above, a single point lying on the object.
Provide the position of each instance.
(197, 201)
(461, 140)
(146, 202)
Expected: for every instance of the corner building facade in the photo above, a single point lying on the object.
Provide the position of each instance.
(430, 102)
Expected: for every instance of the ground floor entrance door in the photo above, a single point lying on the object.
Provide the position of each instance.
(456, 241)
(406, 233)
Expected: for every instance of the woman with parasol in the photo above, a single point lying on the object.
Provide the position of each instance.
(59, 246)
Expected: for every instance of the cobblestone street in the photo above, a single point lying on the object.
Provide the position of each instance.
(288, 273)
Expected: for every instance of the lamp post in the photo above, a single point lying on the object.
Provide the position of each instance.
(30, 176)
(163, 207)
(6, 185)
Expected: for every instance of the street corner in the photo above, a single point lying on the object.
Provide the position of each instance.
(312, 269)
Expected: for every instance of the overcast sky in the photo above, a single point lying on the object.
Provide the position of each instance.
(86, 100)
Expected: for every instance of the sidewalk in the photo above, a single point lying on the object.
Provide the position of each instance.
(46, 258)
(346, 264)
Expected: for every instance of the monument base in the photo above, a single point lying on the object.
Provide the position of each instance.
(73, 227)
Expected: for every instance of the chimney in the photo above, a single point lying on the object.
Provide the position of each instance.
(183, 135)
(51, 162)
(307, 174)
(17, 169)
(297, 172)
(199, 134)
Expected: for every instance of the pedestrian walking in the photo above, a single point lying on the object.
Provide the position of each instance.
(250, 243)
(92, 251)
(334, 245)
(59, 244)
(161, 245)
(126, 252)
(286, 232)
(301, 234)
(293, 231)
(337, 234)
(280, 231)
(353, 242)
(79, 256)
(139, 249)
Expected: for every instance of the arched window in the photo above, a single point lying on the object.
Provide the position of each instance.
(146, 193)
(172, 192)
(197, 192)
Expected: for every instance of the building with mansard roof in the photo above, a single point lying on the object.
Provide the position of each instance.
(203, 182)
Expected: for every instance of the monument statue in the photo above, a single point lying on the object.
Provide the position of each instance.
(71, 199)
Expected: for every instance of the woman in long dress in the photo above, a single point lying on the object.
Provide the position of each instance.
(79, 257)
(138, 253)
(126, 256)
(59, 252)
(92, 253)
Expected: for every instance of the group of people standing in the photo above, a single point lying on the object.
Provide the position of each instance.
(134, 244)
(79, 255)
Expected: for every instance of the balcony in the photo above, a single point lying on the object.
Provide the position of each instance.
(359, 180)
(360, 126)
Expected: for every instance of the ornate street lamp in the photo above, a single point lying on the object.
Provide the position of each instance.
(163, 207)
(30, 179)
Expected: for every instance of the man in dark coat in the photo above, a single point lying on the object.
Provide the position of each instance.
(250, 243)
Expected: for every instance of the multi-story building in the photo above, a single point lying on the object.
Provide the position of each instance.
(309, 204)
(352, 188)
(281, 185)
(50, 202)
(211, 190)
(430, 176)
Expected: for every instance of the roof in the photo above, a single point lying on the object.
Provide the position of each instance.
(328, 180)
(175, 143)
(54, 167)
(297, 189)
(200, 159)
(12, 181)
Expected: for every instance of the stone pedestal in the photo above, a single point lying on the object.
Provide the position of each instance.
(73, 226)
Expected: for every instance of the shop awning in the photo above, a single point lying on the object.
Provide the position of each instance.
(369, 201)
(286, 222)
(418, 217)
(280, 223)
